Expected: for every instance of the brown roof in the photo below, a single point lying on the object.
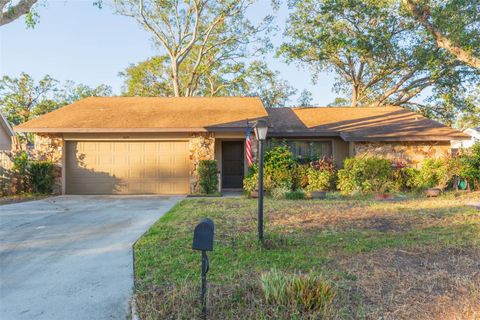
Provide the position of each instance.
(144, 114)
(358, 124)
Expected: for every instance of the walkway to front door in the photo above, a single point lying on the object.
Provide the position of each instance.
(232, 164)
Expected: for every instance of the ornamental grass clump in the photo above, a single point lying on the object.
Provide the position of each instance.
(307, 292)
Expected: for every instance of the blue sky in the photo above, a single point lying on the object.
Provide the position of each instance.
(76, 41)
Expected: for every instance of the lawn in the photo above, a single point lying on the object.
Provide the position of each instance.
(412, 259)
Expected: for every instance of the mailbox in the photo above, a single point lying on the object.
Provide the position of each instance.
(203, 235)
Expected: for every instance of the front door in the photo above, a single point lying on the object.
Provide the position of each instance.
(232, 164)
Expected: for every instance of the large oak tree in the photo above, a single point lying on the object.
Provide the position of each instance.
(203, 39)
(378, 53)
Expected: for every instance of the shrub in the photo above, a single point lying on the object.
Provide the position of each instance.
(470, 166)
(364, 175)
(295, 195)
(437, 173)
(305, 291)
(250, 182)
(279, 167)
(208, 178)
(319, 180)
(300, 177)
(41, 176)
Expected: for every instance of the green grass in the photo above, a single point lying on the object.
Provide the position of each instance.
(314, 236)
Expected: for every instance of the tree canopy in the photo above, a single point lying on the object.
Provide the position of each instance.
(377, 51)
(23, 98)
(203, 40)
(150, 78)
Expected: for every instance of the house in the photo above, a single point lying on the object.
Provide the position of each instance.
(133, 145)
(473, 137)
(6, 134)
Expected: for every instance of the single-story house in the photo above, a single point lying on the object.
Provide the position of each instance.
(6, 134)
(133, 145)
(473, 137)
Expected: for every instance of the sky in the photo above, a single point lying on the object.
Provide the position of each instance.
(75, 40)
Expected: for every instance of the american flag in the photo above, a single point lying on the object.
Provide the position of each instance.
(248, 148)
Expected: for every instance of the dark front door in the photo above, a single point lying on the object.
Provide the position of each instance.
(232, 164)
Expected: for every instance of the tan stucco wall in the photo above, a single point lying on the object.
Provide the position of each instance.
(5, 139)
(340, 151)
(412, 153)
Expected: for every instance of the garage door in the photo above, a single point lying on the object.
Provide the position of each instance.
(127, 167)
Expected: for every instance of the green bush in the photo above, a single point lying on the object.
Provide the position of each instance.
(304, 291)
(437, 173)
(250, 182)
(295, 195)
(279, 168)
(279, 171)
(208, 177)
(364, 175)
(319, 180)
(470, 166)
(41, 176)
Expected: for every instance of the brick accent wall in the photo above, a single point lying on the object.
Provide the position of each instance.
(411, 152)
(202, 147)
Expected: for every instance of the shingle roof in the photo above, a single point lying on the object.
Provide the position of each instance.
(358, 124)
(145, 114)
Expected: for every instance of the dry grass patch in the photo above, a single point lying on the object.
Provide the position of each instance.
(424, 283)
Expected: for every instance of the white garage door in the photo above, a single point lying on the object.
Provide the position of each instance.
(110, 167)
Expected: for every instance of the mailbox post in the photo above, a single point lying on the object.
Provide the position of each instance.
(203, 241)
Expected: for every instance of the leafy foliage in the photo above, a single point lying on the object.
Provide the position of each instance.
(250, 182)
(470, 166)
(319, 180)
(379, 53)
(279, 168)
(41, 176)
(208, 177)
(22, 99)
(364, 175)
(151, 78)
(204, 40)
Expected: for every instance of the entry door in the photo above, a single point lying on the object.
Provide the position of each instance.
(232, 164)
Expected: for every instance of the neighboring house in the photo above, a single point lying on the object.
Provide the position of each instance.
(130, 145)
(473, 137)
(6, 134)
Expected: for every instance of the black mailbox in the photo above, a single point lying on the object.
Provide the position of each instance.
(203, 235)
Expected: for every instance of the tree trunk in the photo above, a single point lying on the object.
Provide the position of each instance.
(175, 82)
(354, 95)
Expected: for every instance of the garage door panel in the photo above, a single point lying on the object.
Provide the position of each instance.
(127, 167)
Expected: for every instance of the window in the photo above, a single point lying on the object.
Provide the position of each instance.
(308, 149)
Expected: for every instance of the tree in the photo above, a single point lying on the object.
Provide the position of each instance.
(262, 82)
(379, 55)
(22, 99)
(453, 24)
(11, 10)
(150, 78)
(305, 99)
(208, 36)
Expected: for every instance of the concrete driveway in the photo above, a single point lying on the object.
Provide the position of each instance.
(70, 257)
